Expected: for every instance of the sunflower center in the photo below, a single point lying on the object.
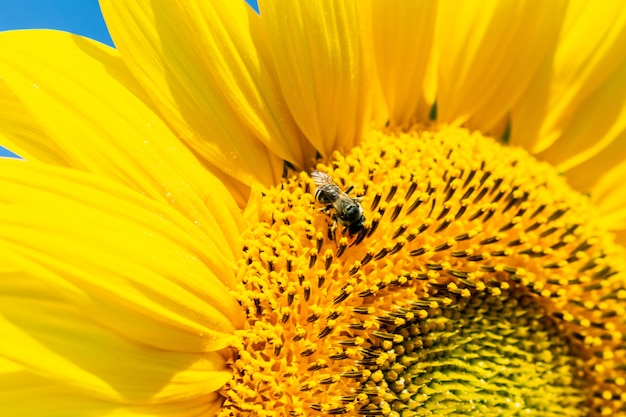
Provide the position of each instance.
(483, 355)
(475, 282)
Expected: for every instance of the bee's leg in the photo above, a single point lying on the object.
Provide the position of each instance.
(326, 209)
(357, 198)
(332, 230)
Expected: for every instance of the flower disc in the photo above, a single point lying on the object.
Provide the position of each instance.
(478, 283)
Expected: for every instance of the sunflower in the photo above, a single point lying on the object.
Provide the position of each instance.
(166, 251)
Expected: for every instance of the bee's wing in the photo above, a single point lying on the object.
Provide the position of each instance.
(321, 178)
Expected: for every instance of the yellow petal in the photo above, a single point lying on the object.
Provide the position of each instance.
(609, 195)
(72, 101)
(315, 49)
(585, 176)
(601, 120)
(56, 398)
(197, 62)
(126, 262)
(589, 51)
(25, 394)
(77, 355)
(403, 35)
(488, 55)
(21, 134)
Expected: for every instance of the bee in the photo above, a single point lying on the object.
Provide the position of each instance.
(347, 210)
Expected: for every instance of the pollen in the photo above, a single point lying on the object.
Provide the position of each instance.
(479, 283)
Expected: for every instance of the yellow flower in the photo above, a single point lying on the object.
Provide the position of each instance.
(165, 251)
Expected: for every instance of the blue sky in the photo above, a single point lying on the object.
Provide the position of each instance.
(82, 17)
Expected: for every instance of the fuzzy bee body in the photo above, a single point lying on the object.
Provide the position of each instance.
(347, 210)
